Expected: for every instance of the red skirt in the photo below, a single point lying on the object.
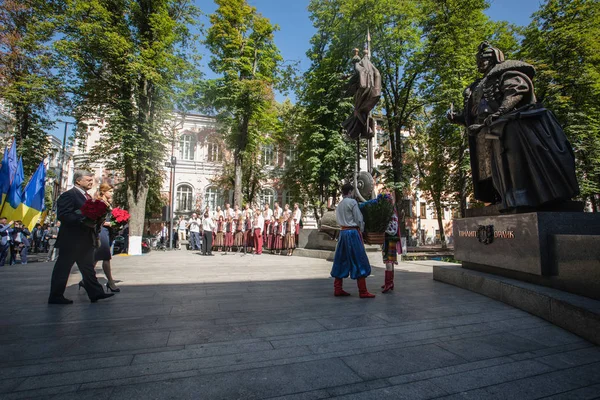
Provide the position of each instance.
(228, 239)
(249, 235)
(278, 242)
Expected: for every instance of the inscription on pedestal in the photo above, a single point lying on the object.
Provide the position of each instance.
(519, 242)
(505, 241)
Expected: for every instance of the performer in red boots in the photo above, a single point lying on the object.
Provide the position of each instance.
(390, 251)
(350, 255)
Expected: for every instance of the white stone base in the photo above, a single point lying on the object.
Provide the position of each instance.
(135, 245)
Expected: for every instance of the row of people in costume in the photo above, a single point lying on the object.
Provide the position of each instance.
(254, 233)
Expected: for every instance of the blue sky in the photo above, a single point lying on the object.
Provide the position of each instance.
(296, 29)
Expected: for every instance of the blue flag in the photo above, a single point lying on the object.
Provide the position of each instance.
(7, 171)
(11, 209)
(33, 200)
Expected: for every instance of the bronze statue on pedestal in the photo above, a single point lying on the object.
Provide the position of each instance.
(520, 156)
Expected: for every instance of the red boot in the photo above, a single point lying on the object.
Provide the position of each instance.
(389, 282)
(362, 289)
(337, 288)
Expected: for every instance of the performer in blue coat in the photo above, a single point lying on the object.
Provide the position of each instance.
(350, 255)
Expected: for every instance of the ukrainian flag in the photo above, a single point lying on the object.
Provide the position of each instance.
(11, 209)
(7, 171)
(33, 201)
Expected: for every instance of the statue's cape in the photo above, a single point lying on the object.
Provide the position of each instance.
(533, 162)
(512, 65)
(365, 85)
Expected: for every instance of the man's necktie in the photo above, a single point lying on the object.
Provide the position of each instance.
(87, 196)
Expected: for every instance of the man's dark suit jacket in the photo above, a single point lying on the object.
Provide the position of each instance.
(73, 233)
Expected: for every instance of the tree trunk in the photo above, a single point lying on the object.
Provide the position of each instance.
(237, 189)
(438, 209)
(137, 210)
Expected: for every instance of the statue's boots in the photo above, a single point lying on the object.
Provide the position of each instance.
(337, 288)
(389, 282)
(362, 289)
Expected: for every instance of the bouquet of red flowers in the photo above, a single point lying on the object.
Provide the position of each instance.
(93, 211)
(119, 217)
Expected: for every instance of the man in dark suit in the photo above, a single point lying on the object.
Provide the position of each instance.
(77, 243)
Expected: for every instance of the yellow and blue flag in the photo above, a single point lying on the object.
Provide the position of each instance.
(11, 209)
(7, 171)
(33, 199)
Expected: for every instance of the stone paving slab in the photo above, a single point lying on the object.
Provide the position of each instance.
(267, 327)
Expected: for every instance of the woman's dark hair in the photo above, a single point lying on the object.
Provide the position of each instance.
(347, 188)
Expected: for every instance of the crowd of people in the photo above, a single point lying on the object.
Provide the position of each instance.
(17, 242)
(249, 230)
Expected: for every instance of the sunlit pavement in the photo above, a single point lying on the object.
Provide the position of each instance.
(255, 327)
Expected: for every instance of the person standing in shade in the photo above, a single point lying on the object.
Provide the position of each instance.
(181, 231)
(77, 243)
(208, 227)
(5, 232)
(20, 243)
(350, 255)
(52, 235)
(194, 225)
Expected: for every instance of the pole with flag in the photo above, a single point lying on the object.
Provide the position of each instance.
(14, 198)
(33, 200)
(7, 171)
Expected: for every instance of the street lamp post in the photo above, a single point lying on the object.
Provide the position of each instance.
(171, 165)
(62, 161)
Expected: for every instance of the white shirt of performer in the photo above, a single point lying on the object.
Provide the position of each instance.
(208, 224)
(259, 222)
(194, 224)
(277, 212)
(297, 215)
(267, 214)
(347, 213)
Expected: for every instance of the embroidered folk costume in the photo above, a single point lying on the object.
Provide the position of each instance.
(220, 236)
(289, 241)
(257, 228)
(350, 255)
(238, 240)
(390, 251)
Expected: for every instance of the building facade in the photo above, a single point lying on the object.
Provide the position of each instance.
(200, 154)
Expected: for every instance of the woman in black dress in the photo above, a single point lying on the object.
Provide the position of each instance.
(107, 236)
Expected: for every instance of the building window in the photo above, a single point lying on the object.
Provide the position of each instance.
(186, 147)
(267, 155)
(267, 196)
(291, 155)
(213, 152)
(185, 197)
(423, 210)
(212, 198)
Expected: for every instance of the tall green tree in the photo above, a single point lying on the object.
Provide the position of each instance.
(562, 43)
(438, 149)
(28, 85)
(127, 59)
(245, 57)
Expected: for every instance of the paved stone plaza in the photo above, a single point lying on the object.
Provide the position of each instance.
(268, 327)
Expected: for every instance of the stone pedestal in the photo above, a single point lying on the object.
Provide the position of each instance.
(555, 249)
